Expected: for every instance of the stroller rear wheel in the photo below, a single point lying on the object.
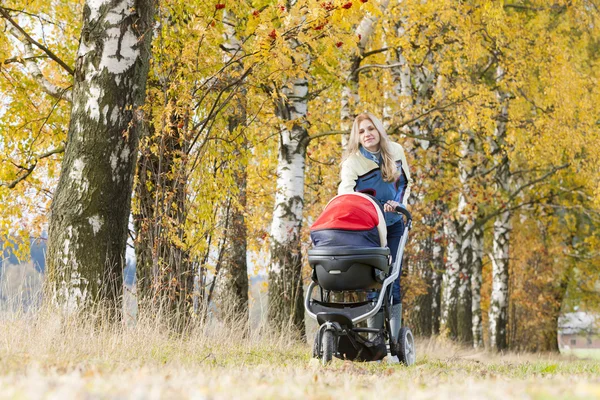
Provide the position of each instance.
(406, 347)
(327, 346)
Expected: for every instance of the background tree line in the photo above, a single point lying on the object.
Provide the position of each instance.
(219, 127)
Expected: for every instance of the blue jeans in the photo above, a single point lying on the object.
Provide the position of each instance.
(394, 234)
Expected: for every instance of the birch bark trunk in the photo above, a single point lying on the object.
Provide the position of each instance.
(466, 220)
(464, 316)
(286, 307)
(450, 280)
(91, 205)
(476, 266)
(498, 314)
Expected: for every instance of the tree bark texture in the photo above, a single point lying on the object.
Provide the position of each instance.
(285, 270)
(498, 314)
(465, 224)
(91, 205)
(450, 281)
(476, 278)
(164, 271)
(464, 307)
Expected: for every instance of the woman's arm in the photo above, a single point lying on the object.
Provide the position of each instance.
(348, 178)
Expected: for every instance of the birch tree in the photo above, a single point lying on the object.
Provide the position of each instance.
(90, 208)
(498, 314)
(476, 261)
(285, 269)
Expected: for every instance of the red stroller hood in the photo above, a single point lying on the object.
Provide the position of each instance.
(352, 212)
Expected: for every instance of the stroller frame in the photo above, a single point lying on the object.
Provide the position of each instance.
(339, 320)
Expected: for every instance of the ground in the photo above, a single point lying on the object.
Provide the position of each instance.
(53, 357)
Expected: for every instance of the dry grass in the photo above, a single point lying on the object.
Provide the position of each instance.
(46, 356)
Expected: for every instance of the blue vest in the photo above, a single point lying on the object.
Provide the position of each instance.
(372, 183)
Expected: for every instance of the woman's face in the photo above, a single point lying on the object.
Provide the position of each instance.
(368, 135)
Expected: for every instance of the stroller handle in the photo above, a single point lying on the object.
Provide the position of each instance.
(406, 213)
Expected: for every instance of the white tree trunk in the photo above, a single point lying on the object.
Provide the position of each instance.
(91, 205)
(499, 300)
(498, 314)
(450, 280)
(285, 280)
(466, 220)
(464, 306)
(476, 265)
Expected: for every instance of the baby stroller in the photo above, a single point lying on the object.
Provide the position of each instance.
(349, 259)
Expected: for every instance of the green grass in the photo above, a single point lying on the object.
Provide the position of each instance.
(583, 353)
(46, 357)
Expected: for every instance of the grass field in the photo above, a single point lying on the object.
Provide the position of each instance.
(583, 353)
(48, 357)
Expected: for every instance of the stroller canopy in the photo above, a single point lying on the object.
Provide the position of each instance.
(350, 220)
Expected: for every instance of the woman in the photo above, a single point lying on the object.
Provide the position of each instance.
(377, 166)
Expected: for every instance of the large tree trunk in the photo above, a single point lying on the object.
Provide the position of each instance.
(91, 205)
(285, 270)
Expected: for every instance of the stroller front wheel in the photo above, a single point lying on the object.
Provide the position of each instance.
(406, 347)
(327, 346)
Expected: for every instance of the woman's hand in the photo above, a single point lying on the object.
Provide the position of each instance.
(390, 206)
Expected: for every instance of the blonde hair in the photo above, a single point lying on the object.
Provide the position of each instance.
(389, 171)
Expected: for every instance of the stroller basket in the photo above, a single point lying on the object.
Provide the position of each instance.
(355, 268)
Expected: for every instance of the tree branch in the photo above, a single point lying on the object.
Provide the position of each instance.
(48, 87)
(523, 8)
(31, 40)
(377, 51)
(536, 181)
(308, 139)
(396, 128)
(29, 170)
(372, 66)
(482, 221)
